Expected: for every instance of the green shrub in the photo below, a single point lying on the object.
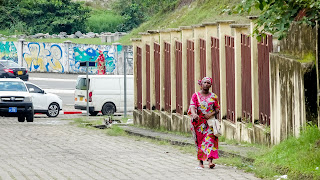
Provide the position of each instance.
(103, 21)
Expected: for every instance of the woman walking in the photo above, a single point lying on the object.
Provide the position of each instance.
(204, 105)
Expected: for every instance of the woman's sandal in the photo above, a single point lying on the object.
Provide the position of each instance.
(200, 167)
(211, 166)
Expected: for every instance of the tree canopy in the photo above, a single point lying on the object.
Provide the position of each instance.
(277, 15)
(47, 16)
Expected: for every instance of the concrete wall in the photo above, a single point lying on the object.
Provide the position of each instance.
(65, 57)
(288, 108)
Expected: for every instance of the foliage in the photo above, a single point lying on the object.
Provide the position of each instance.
(136, 12)
(47, 16)
(296, 157)
(276, 16)
(103, 21)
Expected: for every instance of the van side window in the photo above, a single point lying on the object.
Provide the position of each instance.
(82, 84)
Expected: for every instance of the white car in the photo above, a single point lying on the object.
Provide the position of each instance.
(45, 103)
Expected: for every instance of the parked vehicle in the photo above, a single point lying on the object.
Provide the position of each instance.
(43, 102)
(106, 94)
(5, 72)
(15, 100)
(15, 69)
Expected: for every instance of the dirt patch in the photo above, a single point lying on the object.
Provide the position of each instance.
(184, 3)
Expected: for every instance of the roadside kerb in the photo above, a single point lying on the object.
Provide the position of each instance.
(226, 150)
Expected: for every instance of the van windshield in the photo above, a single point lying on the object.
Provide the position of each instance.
(82, 84)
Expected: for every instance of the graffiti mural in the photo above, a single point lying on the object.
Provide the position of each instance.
(43, 57)
(84, 53)
(8, 51)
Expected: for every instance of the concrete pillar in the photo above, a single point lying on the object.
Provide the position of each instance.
(103, 38)
(154, 38)
(254, 72)
(238, 30)
(211, 30)
(67, 60)
(175, 36)
(187, 34)
(145, 39)
(199, 33)
(164, 37)
(224, 29)
(20, 53)
(135, 43)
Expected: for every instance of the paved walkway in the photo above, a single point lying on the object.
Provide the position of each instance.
(50, 148)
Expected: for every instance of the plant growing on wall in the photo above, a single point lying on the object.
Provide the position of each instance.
(277, 15)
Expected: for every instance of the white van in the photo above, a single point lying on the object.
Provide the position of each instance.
(106, 94)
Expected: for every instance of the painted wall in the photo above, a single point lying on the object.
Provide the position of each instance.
(66, 57)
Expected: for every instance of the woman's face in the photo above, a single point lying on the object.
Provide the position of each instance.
(206, 84)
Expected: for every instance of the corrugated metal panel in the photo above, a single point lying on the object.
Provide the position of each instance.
(230, 77)
(139, 78)
(148, 76)
(215, 67)
(167, 83)
(178, 55)
(190, 69)
(202, 58)
(157, 73)
(246, 78)
(264, 48)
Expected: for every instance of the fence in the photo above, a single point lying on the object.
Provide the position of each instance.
(239, 66)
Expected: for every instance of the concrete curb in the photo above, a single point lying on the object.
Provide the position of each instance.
(224, 153)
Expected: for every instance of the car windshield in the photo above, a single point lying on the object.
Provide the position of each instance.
(10, 64)
(12, 86)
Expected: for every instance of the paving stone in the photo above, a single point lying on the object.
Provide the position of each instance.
(50, 148)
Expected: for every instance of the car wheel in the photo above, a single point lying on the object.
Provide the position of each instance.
(21, 118)
(53, 110)
(93, 113)
(29, 117)
(108, 109)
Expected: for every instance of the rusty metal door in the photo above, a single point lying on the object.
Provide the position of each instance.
(202, 58)
(167, 74)
(139, 78)
(246, 78)
(148, 76)
(215, 67)
(264, 48)
(157, 73)
(190, 69)
(230, 77)
(178, 55)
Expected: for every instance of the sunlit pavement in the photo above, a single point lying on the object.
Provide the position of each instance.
(50, 148)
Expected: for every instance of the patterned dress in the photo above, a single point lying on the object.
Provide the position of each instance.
(101, 65)
(206, 142)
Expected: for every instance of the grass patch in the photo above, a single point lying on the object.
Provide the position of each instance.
(296, 157)
(163, 130)
(103, 21)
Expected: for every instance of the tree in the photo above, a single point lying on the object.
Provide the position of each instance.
(52, 16)
(277, 15)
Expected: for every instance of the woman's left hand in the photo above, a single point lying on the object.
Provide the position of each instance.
(207, 116)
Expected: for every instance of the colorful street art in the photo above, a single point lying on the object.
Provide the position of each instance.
(40, 57)
(8, 51)
(80, 53)
(65, 57)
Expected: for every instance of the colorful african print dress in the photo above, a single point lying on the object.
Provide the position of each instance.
(101, 65)
(206, 142)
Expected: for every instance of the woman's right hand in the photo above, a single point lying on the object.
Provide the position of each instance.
(195, 116)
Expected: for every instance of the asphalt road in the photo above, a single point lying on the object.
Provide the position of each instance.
(51, 148)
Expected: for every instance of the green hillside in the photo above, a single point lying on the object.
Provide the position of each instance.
(187, 13)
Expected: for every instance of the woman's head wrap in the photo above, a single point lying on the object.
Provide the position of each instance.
(204, 79)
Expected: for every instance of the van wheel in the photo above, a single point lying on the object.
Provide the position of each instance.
(93, 113)
(108, 109)
(53, 110)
